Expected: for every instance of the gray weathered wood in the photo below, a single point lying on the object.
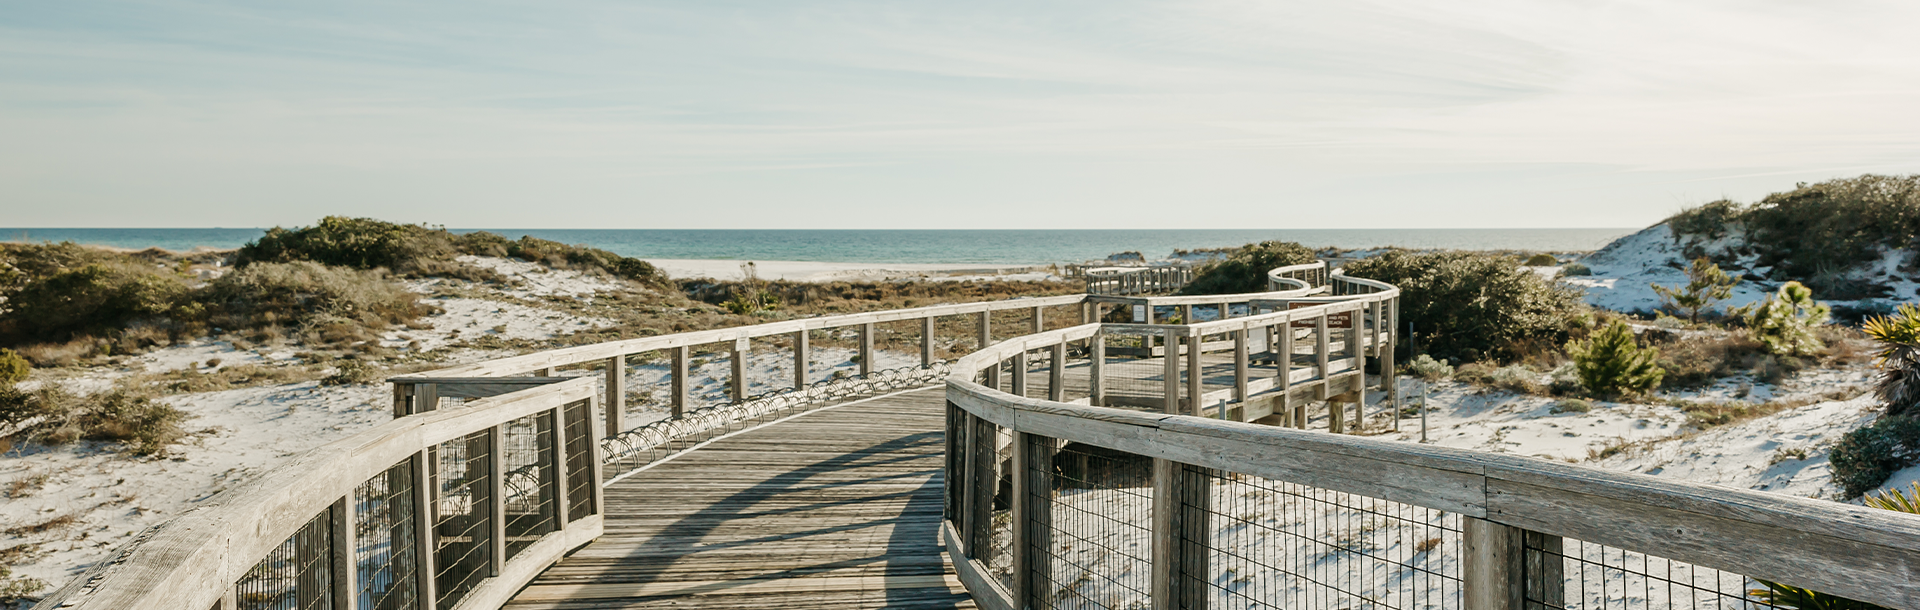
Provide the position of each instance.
(866, 349)
(926, 341)
(677, 395)
(616, 383)
(341, 556)
(424, 539)
(1490, 566)
(802, 355)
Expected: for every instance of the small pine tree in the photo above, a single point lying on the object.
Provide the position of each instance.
(1785, 322)
(1706, 285)
(14, 368)
(1611, 364)
(1898, 385)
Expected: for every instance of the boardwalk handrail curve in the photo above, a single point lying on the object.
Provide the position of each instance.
(1862, 553)
(194, 560)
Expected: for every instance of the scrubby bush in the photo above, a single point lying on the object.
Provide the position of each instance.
(1570, 405)
(351, 372)
(1706, 285)
(14, 368)
(305, 294)
(55, 416)
(1865, 457)
(1898, 385)
(1514, 377)
(365, 243)
(1469, 306)
(1786, 322)
(96, 298)
(1816, 229)
(1245, 270)
(1542, 260)
(1425, 367)
(1611, 363)
(1575, 270)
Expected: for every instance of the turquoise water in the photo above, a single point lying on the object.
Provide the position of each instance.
(859, 246)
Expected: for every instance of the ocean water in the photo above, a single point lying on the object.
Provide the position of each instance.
(910, 246)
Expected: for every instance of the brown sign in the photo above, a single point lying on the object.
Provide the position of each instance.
(1334, 320)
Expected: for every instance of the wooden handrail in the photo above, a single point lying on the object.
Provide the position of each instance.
(1842, 549)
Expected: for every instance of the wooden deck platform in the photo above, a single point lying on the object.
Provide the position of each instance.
(836, 509)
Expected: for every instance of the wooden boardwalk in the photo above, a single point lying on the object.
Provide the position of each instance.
(839, 508)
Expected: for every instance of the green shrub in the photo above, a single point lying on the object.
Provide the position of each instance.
(1245, 270)
(1575, 270)
(94, 299)
(1466, 306)
(1425, 367)
(55, 416)
(1706, 285)
(1786, 322)
(14, 368)
(1542, 260)
(1513, 377)
(1898, 386)
(1611, 364)
(1570, 405)
(365, 243)
(351, 372)
(1864, 458)
(1712, 220)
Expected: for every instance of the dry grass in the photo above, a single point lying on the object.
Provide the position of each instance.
(1704, 414)
(43, 526)
(25, 486)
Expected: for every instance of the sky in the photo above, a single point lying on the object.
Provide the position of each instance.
(915, 114)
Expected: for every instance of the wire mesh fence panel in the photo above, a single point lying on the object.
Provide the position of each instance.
(297, 575)
(384, 540)
(1597, 577)
(1132, 374)
(578, 430)
(1097, 551)
(1076, 374)
(462, 521)
(999, 556)
(529, 481)
(1271, 544)
(649, 387)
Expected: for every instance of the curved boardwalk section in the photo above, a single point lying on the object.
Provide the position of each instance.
(834, 508)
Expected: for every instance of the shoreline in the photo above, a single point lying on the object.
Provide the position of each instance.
(820, 271)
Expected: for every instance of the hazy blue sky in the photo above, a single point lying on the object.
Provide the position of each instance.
(914, 114)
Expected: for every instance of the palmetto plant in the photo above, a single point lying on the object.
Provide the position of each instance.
(1898, 385)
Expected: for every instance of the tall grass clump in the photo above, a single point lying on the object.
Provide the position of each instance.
(54, 416)
(1706, 285)
(1611, 363)
(1469, 306)
(1245, 270)
(335, 303)
(1786, 323)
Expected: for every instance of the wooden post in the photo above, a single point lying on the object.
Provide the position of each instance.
(1089, 312)
(1390, 374)
(866, 349)
(1181, 501)
(1097, 376)
(1286, 375)
(1057, 374)
(986, 481)
(678, 397)
(593, 460)
(1020, 374)
(1039, 323)
(1240, 361)
(557, 456)
(496, 442)
(423, 536)
(1186, 314)
(986, 329)
(926, 341)
(1321, 346)
(343, 561)
(402, 399)
(1033, 524)
(1196, 374)
(1490, 566)
(616, 392)
(800, 356)
(426, 397)
(1171, 374)
(737, 383)
(1336, 415)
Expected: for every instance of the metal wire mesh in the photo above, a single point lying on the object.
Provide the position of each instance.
(462, 518)
(578, 429)
(999, 556)
(1597, 577)
(1132, 376)
(1097, 548)
(527, 450)
(384, 540)
(1271, 544)
(297, 575)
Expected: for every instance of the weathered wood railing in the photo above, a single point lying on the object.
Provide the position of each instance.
(1053, 501)
(453, 508)
(1138, 280)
